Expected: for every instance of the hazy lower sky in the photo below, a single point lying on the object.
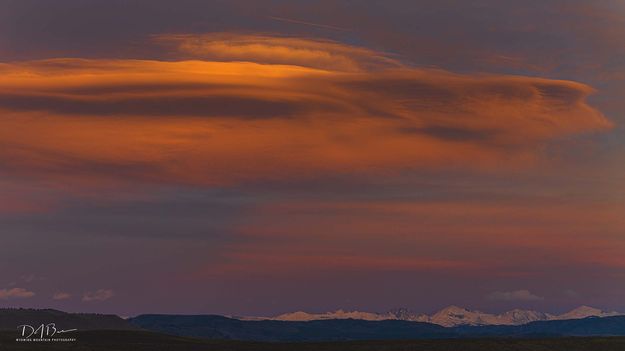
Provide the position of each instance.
(259, 157)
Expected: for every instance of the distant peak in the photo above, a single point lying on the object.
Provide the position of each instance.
(586, 308)
(454, 308)
(449, 316)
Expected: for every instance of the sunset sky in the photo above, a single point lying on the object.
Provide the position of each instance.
(259, 157)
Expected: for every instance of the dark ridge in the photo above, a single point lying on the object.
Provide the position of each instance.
(11, 318)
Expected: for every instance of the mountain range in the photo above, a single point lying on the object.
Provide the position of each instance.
(450, 316)
(224, 328)
(219, 327)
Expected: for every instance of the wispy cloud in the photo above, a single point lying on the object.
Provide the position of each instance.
(61, 296)
(15, 293)
(28, 278)
(98, 295)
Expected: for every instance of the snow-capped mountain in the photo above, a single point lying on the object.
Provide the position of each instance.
(450, 316)
(453, 315)
(405, 314)
(586, 311)
(397, 314)
(339, 314)
(518, 317)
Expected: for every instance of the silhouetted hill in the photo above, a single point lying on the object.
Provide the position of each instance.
(591, 326)
(223, 328)
(11, 318)
(218, 327)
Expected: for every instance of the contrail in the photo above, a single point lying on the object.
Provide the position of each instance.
(309, 23)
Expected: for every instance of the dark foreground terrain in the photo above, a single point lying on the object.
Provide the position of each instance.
(223, 328)
(111, 340)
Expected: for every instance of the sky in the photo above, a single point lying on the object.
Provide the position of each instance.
(261, 157)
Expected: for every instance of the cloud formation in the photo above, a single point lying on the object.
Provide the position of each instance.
(305, 52)
(517, 295)
(98, 295)
(15, 293)
(61, 295)
(261, 107)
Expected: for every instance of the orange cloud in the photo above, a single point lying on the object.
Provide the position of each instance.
(279, 108)
(14, 293)
(316, 53)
